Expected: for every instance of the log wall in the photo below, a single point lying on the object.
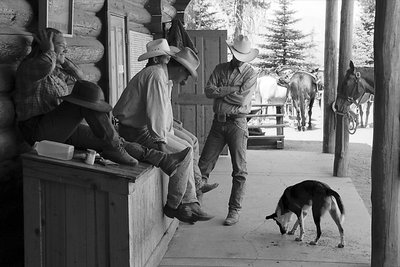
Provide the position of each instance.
(18, 19)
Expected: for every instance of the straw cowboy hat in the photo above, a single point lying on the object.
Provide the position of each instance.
(88, 95)
(188, 58)
(158, 47)
(241, 49)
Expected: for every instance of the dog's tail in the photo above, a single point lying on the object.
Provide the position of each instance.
(338, 199)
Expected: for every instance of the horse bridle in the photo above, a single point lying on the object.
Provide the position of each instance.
(350, 99)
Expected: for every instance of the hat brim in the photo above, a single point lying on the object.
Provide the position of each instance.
(147, 55)
(244, 57)
(188, 66)
(98, 106)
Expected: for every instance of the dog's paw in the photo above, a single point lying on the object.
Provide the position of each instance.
(291, 233)
(313, 243)
(298, 239)
(340, 245)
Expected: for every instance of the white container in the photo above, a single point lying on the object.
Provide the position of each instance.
(90, 156)
(54, 150)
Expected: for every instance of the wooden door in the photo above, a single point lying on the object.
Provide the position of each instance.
(190, 104)
(117, 58)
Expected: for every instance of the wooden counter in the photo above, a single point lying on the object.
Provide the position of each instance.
(81, 215)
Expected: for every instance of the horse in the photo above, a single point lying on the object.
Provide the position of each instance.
(356, 85)
(364, 102)
(303, 88)
(269, 91)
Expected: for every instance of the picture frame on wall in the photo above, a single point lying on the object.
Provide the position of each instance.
(57, 14)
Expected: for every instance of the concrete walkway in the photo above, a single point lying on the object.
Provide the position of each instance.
(257, 242)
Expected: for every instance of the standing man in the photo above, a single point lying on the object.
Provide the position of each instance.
(145, 116)
(231, 85)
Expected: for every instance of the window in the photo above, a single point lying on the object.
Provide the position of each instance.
(137, 46)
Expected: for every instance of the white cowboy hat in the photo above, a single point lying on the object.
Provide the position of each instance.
(158, 47)
(241, 49)
(188, 58)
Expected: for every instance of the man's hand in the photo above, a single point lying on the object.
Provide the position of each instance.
(45, 41)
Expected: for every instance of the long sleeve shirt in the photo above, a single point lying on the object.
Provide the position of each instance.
(40, 83)
(232, 88)
(146, 102)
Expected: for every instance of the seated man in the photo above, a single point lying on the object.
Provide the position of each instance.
(145, 115)
(47, 111)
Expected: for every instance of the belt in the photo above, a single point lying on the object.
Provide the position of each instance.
(229, 117)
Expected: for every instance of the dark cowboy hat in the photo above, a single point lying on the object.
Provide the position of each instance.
(88, 95)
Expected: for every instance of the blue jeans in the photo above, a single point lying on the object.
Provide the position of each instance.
(181, 186)
(233, 133)
(64, 124)
(194, 143)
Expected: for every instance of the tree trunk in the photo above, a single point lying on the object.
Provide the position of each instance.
(385, 152)
(341, 162)
(330, 73)
(238, 18)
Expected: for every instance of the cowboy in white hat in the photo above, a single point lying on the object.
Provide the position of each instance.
(182, 65)
(231, 86)
(145, 116)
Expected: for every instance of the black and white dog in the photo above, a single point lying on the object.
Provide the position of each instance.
(299, 198)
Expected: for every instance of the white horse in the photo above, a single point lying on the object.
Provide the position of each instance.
(269, 92)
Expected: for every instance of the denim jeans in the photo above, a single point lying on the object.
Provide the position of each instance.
(181, 186)
(64, 125)
(194, 143)
(233, 133)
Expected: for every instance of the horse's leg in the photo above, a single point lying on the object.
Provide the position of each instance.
(367, 112)
(303, 115)
(310, 107)
(361, 111)
(298, 112)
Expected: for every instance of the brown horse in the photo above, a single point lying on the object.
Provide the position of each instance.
(365, 101)
(356, 87)
(303, 88)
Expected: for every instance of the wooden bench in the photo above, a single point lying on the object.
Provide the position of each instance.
(271, 140)
(82, 215)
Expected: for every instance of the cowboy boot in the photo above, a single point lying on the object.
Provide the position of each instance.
(168, 163)
(113, 149)
(206, 187)
(118, 154)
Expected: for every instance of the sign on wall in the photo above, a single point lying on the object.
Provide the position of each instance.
(137, 46)
(57, 14)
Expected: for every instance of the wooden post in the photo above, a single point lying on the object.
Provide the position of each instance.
(330, 73)
(385, 152)
(341, 162)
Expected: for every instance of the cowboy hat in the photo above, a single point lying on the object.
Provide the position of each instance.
(188, 58)
(88, 95)
(241, 49)
(158, 47)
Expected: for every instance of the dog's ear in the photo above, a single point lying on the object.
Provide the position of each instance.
(273, 215)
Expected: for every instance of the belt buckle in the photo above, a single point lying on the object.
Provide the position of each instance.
(221, 117)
